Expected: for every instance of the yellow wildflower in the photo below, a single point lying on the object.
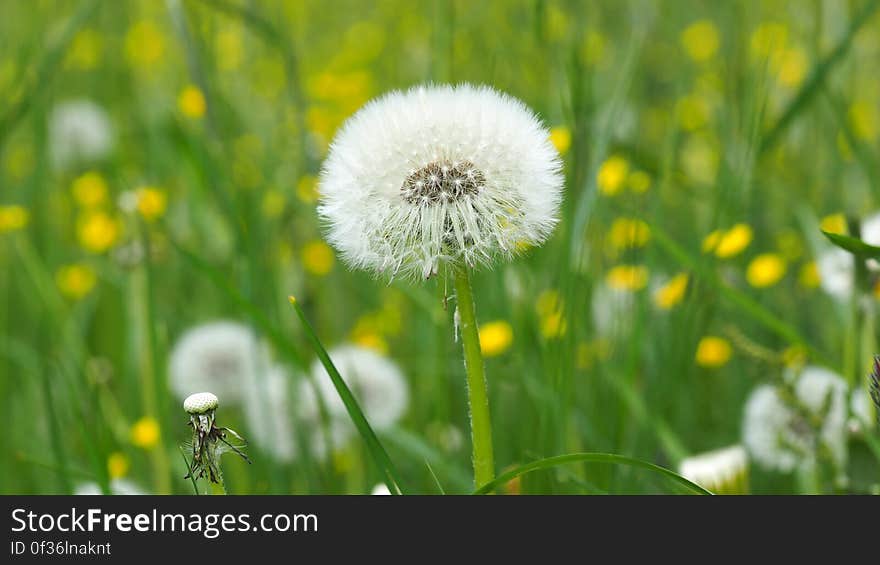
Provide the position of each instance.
(671, 293)
(713, 352)
(90, 190)
(612, 175)
(734, 241)
(495, 338)
(85, 50)
(273, 204)
(317, 258)
(13, 218)
(151, 202)
(191, 102)
(768, 40)
(701, 40)
(145, 433)
(594, 48)
(628, 233)
(809, 275)
(694, 112)
(793, 66)
(75, 281)
(560, 137)
(834, 223)
(117, 465)
(548, 302)
(98, 231)
(553, 325)
(144, 44)
(627, 277)
(765, 270)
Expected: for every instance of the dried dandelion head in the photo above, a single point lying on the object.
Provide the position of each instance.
(208, 441)
(457, 174)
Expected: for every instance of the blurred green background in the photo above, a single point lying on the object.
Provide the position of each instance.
(628, 332)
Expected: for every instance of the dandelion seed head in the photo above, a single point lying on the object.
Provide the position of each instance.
(375, 381)
(267, 413)
(780, 436)
(439, 173)
(79, 132)
(722, 471)
(200, 403)
(218, 356)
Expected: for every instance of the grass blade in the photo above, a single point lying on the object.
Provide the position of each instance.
(853, 244)
(377, 452)
(610, 458)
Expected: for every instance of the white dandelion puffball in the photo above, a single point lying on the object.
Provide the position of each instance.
(862, 409)
(80, 132)
(375, 381)
(268, 415)
(837, 267)
(439, 173)
(381, 490)
(780, 437)
(723, 471)
(217, 356)
(121, 487)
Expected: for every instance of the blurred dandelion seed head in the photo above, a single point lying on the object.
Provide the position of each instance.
(458, 174)
(722, 471)
(80, 132)
(784, 434)
(268, 413)
(219, 356)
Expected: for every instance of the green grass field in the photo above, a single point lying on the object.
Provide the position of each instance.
(705, 147)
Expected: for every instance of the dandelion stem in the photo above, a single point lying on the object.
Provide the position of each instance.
(481, 425)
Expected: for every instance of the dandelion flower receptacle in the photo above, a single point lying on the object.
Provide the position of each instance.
(442, 176)
(208, 441)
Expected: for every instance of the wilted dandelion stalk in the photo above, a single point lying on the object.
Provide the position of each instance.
(443, 176)
(208, 441)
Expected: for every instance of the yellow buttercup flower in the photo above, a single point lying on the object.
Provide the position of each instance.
(495, 338)
(145, 433)
(85, 50)
(834, 223)
(75, 281)
(151, 202)
(560, 137)
(191, 102)
(553, 325)
(548, 302)
(13, 218)
(317, 258)
(809, 275)
(713, 352)
(628, 233)
(372, 341)
(98, 231)
(701, 40)
(117, 465)
(19, 160)
(627, 277)
(671, 293)
(765, 270)
(612, 175)
(144, 44)
(793, 67)
(694, 112)
(732, 242)
(90, 190)
(864, 118)
(710, 242)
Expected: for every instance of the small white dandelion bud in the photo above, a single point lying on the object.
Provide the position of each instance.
(454, 174)
(200, 403)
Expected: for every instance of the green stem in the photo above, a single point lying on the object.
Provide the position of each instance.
(481, 425)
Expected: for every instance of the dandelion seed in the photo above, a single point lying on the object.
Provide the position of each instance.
(723, 471)
(79, 133)
(221, 356)
(439, 174)
(785, 430)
